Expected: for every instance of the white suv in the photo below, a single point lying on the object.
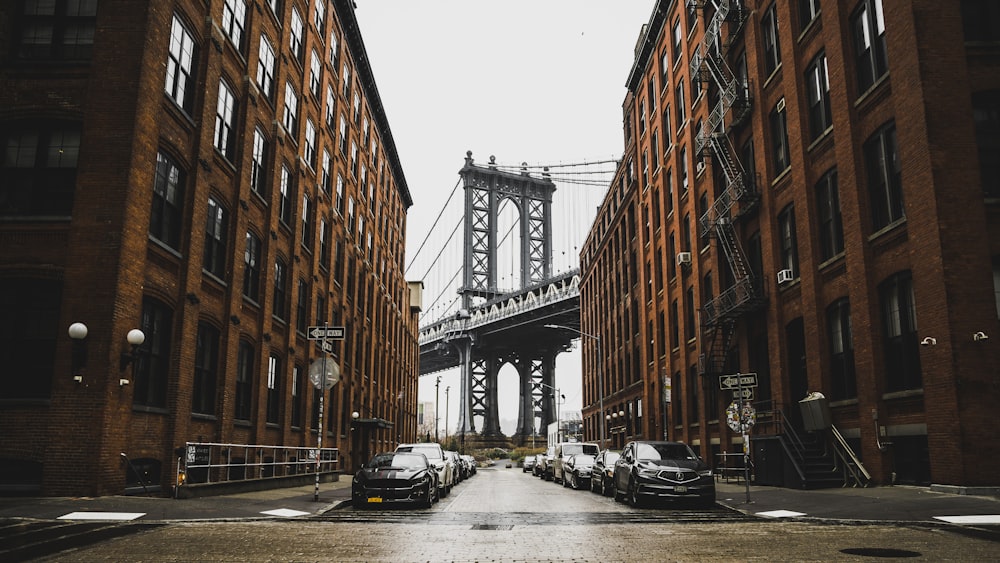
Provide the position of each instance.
(442, 464)
(566, 449)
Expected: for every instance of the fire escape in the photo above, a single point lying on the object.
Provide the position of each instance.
(739, 196)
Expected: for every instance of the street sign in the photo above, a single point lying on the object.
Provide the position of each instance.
(326, 333)
(740, 420)
(326, 380)
(745, 393)
(727, 382)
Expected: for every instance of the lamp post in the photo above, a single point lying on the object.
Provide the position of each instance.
(78, 333)
(446, 391)
(437, 402)
(600, 377)
(556, 396)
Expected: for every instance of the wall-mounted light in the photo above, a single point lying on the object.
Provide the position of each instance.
(135, 338)
(980, 336)
(78, 333)
(928, 341)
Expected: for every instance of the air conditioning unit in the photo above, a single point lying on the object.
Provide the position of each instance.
(683, 258)
(784, 276)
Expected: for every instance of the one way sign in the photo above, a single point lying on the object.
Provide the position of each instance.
(738, 380)
(326, 333)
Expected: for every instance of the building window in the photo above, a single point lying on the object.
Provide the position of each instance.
(298, 384)
(678, 37)
(342, 139)
(51, 30)
(265, 68)
(986, 113)
(307, 224)
(808, 12)
(38, 170)
(899, 324)
(234, 14)
(309, 149)
(693, 383)
(340, 194)
(206, 369)
(258, 164)
(331, 106)
(275, 6)
(326, 179)
(225, 119)
(285, 201)
(216, 237)
(831, 230)
(789, 246)
(315, 73)
(779, 138)
(885, 184)
(168, 202)
(29, 327)
(243, 398)
(668, 134)
(319, 16)
(871, 57)
(679, 102)
(642, 118)
(180, 83)
(324, 243)
(685, 175)
(290, 114)
(278, 307)
(345, 81)
(295, 38)
(772, 48)
(153, 364)
(251, 267)
(843, 381)
(981, 20)
(273, 389)
(690, 309)
(818, 94)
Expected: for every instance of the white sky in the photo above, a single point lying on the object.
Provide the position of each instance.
(540, 81)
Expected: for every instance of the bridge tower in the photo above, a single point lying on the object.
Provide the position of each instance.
(486, 188)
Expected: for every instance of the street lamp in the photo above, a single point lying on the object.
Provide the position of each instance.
(600, 376)
(437, 402)
(558, 421)
(446, 392)
(135, 338)
(78, 332)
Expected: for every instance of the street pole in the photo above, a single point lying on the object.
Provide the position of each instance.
(600, 378)
(437, 402)
(319, 423)
(446, 397)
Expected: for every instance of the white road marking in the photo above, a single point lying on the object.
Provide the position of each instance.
(102, 516)
(780, 514)
(972, 519)
(285, 513)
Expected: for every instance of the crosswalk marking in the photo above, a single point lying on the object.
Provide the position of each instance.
(972, 519)
(780, 514)
(285, 513)
(102, 516)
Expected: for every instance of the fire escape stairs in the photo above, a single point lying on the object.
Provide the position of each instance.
(708, 63)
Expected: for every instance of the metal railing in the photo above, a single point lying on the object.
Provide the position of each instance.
(207, 462)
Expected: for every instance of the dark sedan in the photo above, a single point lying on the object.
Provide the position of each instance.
(662, 470)
(602, 478)
(395, 478)
(577, 471)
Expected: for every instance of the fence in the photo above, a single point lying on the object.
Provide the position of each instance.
(204, 462)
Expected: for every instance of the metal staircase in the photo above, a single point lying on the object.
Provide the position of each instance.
(740, 196)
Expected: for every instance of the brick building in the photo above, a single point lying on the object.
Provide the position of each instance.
(220, 175)
(809, 192)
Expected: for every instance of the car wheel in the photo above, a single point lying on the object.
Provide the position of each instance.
(428, 497)
(619, 497)
(593, 484)
(633, 494)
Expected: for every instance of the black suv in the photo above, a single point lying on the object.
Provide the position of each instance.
(662, 470)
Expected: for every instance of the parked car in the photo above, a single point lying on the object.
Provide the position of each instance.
(546, 472)
(565, 449)
(456, 466)
(602, 477)
(437, 458)
(528, 463)
(538, 469)
(577, 471)
(470, 462)
(662, 470)
(395, 478)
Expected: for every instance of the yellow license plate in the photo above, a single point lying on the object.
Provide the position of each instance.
(374, 499)
(680, 489)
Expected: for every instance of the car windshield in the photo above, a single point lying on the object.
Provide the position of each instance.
(570, 449)
(664, 451)
(611, 457)
(583, 459)
(432, 453)
(398, 461)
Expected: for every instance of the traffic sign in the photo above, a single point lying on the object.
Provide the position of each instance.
(326, 333)
(738, 380)
(745, 393)
(324, 373)
(740, 420)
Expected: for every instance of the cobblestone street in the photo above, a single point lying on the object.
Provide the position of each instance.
(506, 515)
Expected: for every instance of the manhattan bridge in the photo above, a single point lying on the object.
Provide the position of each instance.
(501, 272)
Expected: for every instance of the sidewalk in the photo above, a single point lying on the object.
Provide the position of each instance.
(898, 503)
(877, 504)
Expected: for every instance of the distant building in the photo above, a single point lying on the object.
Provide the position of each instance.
(221, 176)
(809, 192)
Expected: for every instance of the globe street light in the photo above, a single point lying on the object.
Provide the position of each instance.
(600, 376)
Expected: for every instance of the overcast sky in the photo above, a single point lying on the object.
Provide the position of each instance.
(537, 81)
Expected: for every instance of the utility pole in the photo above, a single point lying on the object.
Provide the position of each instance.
(437, 402)
(446, 390)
